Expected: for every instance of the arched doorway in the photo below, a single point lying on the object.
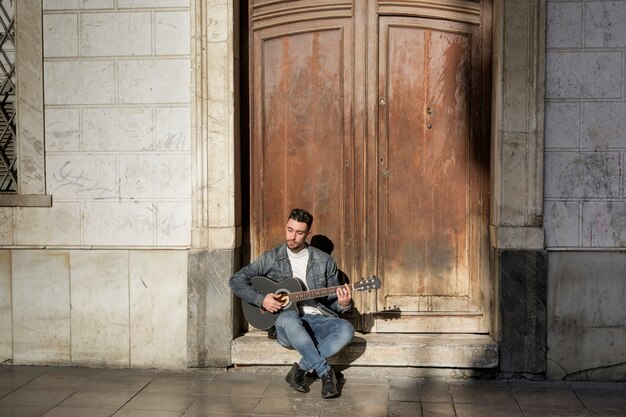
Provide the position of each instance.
(375, 116)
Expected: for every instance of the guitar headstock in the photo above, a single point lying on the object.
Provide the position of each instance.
(367, 284)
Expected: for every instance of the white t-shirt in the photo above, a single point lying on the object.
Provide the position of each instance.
(299, 261)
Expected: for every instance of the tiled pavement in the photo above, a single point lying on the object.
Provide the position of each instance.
(84, 392)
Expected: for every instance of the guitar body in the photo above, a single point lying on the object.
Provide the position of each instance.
(294, 292)
(260, 318)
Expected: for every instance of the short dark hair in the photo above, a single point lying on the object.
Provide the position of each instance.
(301, 216)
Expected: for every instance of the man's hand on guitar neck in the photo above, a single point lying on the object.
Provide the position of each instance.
(272, 302)
(344, 295)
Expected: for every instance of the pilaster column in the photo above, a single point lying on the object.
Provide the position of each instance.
(516, 222)
(216, 215)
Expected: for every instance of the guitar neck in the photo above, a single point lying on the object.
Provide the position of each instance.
(309, 295)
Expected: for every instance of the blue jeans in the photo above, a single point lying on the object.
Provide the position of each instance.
(315, 337)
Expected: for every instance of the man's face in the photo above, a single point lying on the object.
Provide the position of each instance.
(296, 234)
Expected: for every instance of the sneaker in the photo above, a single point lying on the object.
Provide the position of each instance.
(295, 378)
(329, 385)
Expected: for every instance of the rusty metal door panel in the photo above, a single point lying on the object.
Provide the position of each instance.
(426, 208)
(301, 141)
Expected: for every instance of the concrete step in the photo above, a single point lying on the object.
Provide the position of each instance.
(457, 351)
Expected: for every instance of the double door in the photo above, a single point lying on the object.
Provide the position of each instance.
(374, 117)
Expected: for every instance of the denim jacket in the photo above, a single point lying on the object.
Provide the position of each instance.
(321, 272)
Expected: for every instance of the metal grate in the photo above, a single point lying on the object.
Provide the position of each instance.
(8, 136)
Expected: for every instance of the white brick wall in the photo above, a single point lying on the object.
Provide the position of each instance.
(113, 308)
(118, 148)
(585, 124)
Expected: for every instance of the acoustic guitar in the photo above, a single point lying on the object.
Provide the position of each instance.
(291, 291)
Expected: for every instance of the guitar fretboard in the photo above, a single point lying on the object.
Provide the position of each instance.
(308, 295)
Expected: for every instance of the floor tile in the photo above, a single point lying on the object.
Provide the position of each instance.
(10, 410)
(222, 415)
(487, 410)
(36, 397)
(59, 381)
(404, 409)
(438, 409)
(360, 409)
(245, 376)
(12, 377)
(404, 389)
(117, 382)
(80, 412)
(178, 385)
(98, 399)
(358, 392)
(239, 388)
(479, 392)
(435, 392)
(147, 413)
(216, 404)
(528, 397)
(307, 406)
(202, 373)
(161, 401)
(541, 410)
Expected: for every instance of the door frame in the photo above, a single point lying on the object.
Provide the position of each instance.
(516, 190)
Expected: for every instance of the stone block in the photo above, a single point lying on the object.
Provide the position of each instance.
(582, 175)
(158, 336)
(60, 35)
(155, 176)
(171, 33)
(173, 129)
(210, 322)
(56, 225)
(98, 4)
(173, 222)
(100, 308)
(217, 79)
(132, 4)
(561, 223)
(514, 191)
(218, 28)
(6, 326)
(523, 278)
(79, 82)
(563, 125)
(122, 223)
(117, 129)
(81, 176)
(381, 350)
(6, 225)
(61, 4)
(564, 27)
(62, 130)
(604, 224)
(41, 307)
(605, 24)
(584, 74)
(116, 34)
(603, 125)
(165, 81)
(586, 315)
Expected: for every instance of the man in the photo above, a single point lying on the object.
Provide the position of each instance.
(316, 332)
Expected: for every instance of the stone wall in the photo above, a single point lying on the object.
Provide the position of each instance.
(585, 201)
(100, 278)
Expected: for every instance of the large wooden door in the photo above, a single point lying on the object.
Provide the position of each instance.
(431, 219)
(371, 115)
(301, 132)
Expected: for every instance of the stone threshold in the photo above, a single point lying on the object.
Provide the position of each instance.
(468, 351)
